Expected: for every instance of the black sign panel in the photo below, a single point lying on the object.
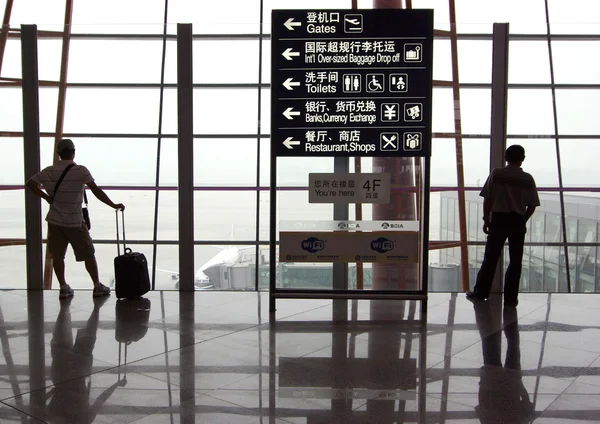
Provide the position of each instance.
(351, 82)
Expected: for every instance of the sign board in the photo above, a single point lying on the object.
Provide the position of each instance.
(349, 226)
(351, 82)
(349, 188)
(344, 247)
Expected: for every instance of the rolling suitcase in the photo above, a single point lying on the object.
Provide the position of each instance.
(131, 270)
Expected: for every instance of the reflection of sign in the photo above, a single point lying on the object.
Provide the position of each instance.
(345, 246)
(349, 225)
(358, 373)
(348, 188)
(335, 74)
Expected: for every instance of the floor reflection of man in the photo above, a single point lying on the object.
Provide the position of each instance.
(69, 373)
(502, 395)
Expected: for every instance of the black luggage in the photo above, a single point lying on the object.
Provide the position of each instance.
(131, 270)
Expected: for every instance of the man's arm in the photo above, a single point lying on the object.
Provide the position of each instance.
(101, 195)
(487, 209)
(528, 212)
(35, 187)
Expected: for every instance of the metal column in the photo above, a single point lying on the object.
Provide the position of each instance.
(185, 116)
(31, 144)
(499, 118)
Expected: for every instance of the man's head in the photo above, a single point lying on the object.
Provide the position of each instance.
(515, 154)
(65, 149)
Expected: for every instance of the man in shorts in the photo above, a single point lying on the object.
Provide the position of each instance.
(66, 224)
(510, 199)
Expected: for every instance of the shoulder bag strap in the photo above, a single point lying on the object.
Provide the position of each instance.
(61, 178)
(85, 198)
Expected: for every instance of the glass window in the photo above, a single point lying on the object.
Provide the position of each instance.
(237, 61)
(443, 110)
(233, 111)
(12, 224)
(265, 162)
(167, 266)
(475, 70)
(116, 61)
(294, 206)
(576, 62)
(113, 161)
(476, 153)
(540, 160)
(265, 112)
(475, 110)
(530, 112)
(442, 59)
(139, 216)
(450, 216)
(169, 165)
(168, 215)
(117, 111)
(294, 171)
(215, 263)
(28, 12)
(579, 162)
(443, 162)
(576, 111)
(225, 215)
(48, 98)
(230, 17)
(14, 264)
(269, 5)
(116, 16)
(12, 165)
(224, 162)
(11, 118)
(475, 16)
(528, 62)
(566, 19)
(441, 14)
(11, 62)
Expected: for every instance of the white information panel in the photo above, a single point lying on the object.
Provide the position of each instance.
(348, 188)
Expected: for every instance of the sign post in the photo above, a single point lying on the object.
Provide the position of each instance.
(348, 83)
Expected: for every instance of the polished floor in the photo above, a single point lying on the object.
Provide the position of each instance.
(215, 357)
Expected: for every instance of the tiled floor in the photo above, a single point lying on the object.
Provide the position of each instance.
(215, 357)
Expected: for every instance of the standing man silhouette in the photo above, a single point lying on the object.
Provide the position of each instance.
(65, 217)
(510, 199)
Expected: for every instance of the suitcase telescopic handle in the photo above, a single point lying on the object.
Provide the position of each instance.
(118, 242)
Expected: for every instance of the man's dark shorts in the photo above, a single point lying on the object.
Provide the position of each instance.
(79, 237)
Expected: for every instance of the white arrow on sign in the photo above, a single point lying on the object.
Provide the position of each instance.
(289, 142)
(290, 24)
(289, 83)
(288, 53)
(289, 113)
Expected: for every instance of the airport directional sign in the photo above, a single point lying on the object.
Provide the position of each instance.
(351, 82)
